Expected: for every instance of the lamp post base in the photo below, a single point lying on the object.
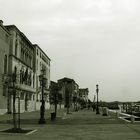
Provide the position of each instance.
(42, 112)
(97, 111)
(42, 121)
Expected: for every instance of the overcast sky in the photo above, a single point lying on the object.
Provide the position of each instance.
(91, 41)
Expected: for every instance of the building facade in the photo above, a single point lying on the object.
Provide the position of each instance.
(21, 63)
(67, 90)
(21, 66)
(42, 63)
(83, 95)
(56, 99)
(76, 96)
(4, 57)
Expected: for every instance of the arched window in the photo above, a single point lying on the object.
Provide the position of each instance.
(5, 64)
(22, 57)
(14, 74)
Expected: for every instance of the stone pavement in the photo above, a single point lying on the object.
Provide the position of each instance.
(81, 125)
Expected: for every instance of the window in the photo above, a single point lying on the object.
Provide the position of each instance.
(15, 75)
(37, 64)
(26, 58)
(30, 97)
(15, 70)
(16, 44)
(33, 80)
(5, 64)
(21, 54)
(37, 97)
(31, 62)
(33, 97)
(37, 81)
(6, 38)
(40, 66)
(22, 96)
(4, 90)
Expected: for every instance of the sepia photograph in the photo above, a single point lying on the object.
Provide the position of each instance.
(70, 70)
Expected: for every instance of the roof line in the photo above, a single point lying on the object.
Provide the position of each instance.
(21, 33)
(42, 51)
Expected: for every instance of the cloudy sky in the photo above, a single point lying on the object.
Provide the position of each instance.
(91, 41)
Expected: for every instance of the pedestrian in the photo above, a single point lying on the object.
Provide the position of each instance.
(93, 107)
(88, 106)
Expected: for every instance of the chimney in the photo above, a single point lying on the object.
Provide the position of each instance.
(1, 22)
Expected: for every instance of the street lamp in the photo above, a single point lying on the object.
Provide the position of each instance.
(97, 107)
(42, 80)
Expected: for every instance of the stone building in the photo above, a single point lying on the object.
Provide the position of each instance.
(22, 64)
(4, 53)
(56, 96)
(66, 89)
(42, 62)
(76, 104)
(83, 94)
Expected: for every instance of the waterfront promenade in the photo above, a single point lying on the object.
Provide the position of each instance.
(81, 125)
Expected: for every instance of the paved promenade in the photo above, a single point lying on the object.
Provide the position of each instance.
(81, 125)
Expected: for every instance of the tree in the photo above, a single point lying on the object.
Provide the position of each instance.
(54, 95)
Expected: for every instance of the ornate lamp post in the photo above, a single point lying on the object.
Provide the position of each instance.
(42, 80)
(97, 107)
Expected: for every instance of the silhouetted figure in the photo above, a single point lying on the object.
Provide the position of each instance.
(93, 107)
(88, 107)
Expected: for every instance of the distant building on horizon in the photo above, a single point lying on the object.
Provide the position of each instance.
(83, 93)
(66, 86)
